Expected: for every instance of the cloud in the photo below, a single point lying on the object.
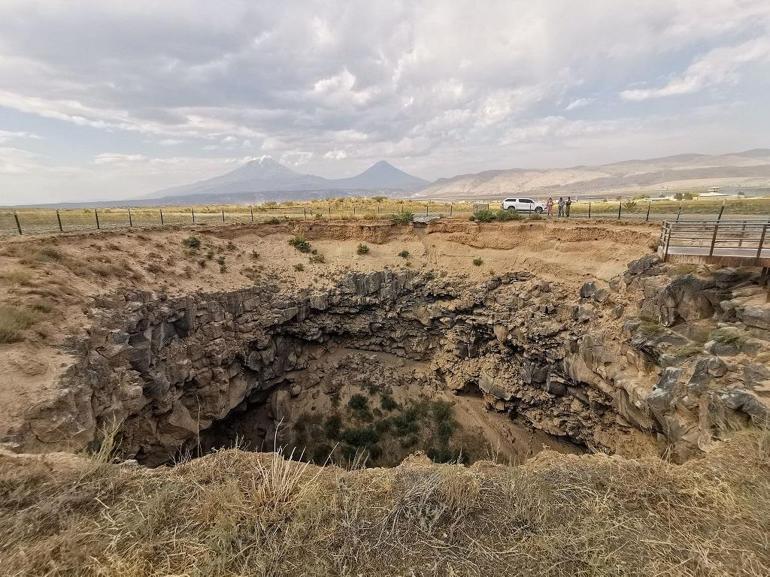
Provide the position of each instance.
(578, 103)
(9, 135)
(335, 86)
(721, 65)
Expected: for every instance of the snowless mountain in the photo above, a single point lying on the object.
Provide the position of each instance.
(266, 179)
(747, 171)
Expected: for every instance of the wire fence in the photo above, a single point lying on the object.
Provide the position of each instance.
(34, 221)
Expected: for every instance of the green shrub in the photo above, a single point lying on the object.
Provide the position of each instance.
(299, 267)
(273, 220)
(333, 426)
(300, 244)
(402, 217)
(404, 254)
(504, 215)
(485, 215)
(358, 402)
(477, 261)
(317, 259)
(361, 437)
(362, 249)
(388, 403)
(192, 242)
(406, 423)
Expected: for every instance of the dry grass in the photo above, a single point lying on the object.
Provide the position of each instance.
(239, 513)
(14, 320)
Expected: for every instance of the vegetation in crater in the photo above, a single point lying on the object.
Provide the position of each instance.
(300, 244)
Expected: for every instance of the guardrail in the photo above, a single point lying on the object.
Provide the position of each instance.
(744, 242)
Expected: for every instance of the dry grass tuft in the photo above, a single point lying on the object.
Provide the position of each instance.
(239, 513)
(14, 320)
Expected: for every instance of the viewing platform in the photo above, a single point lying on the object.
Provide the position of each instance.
(719, 242)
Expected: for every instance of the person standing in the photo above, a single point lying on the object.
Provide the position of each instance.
(561, 206)
(567, 205)
(549, 206)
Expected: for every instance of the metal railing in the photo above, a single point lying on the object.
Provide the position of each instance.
(746, 239)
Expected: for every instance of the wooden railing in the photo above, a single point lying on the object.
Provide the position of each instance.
(740, 239)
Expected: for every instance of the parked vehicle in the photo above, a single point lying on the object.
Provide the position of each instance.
(523, 205)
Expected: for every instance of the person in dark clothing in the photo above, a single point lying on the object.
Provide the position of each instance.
(567, 205)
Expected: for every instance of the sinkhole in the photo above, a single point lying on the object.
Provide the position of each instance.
(379, 366)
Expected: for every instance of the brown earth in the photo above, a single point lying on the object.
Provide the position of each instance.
(57, 279)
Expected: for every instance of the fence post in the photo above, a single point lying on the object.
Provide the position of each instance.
(761, 243)
(251, 210)
(667, 229)
(223, 215)
(714, 239)
(18, 224)
(743, 234)
(427, 204)
(450, 209)
(192, 210)
(647, 218)
(679, 213)
(161, 216)
(330, 211)
(354, 210)
(130, 220)
(589, 210)
(96, 214)
(620, 205)
(721, 210)
(304, 212)
(58, 218)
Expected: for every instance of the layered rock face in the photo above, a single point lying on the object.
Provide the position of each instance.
(633, 367)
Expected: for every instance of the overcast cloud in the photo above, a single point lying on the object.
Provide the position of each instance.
(111, 99)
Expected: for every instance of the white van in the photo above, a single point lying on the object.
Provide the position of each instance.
(523, 205)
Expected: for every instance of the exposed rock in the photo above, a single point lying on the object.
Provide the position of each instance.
(580, 369)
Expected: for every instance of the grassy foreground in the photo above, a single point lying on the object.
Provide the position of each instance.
(239, 513)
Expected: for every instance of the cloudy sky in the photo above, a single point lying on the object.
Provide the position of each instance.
(111, 99)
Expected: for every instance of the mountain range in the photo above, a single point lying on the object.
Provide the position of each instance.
(265, 179)
(748, 171)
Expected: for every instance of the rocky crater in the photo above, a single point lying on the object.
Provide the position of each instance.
(657, 361)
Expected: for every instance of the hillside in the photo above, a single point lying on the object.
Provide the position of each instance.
(748, 171)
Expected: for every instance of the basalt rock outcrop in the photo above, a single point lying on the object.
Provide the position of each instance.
(653, 360)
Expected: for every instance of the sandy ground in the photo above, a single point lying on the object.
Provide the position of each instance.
(55, 278)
